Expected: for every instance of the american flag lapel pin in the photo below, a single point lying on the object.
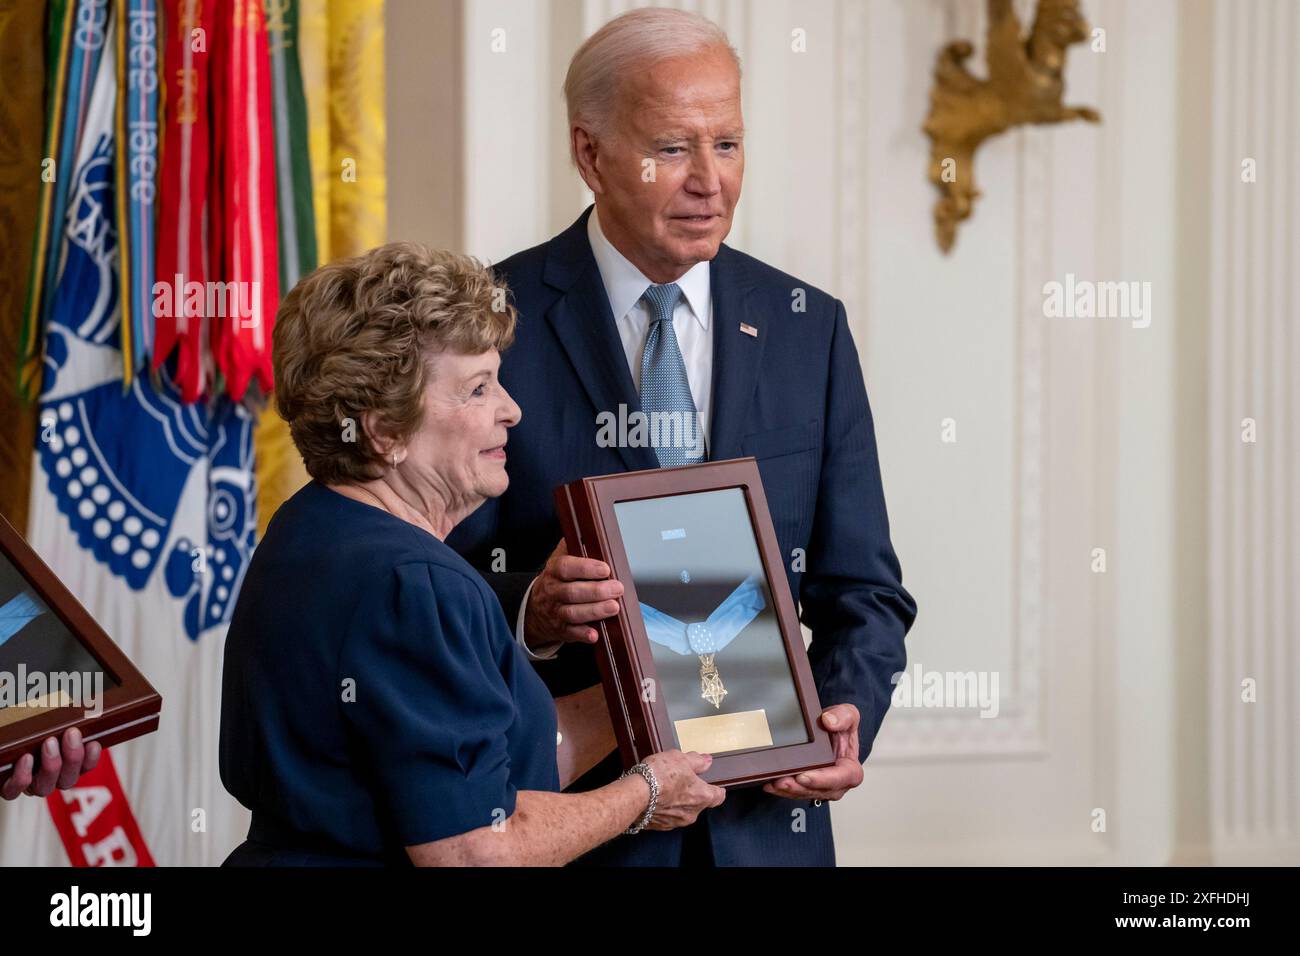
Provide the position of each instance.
(749, 330)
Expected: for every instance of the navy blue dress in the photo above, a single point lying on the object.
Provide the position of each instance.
(373, 696)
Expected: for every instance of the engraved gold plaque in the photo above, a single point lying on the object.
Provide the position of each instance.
(721, 733)
(25, 709)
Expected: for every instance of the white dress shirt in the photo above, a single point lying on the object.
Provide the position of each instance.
(625, 285)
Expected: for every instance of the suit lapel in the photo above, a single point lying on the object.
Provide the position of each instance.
(736, 354)
(585, 327)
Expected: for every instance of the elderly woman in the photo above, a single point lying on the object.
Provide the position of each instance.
(375, 706)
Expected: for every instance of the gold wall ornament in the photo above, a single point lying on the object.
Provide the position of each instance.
(1024, 85)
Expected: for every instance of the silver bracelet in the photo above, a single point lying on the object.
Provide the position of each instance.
(645, 771)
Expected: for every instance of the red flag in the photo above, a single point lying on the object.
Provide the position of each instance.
(246, 214)
(217, 250)
(184, 205)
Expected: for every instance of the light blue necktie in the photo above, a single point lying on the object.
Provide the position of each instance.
(665, 390)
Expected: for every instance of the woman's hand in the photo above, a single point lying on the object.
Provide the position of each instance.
(551, 829)
(682, 794)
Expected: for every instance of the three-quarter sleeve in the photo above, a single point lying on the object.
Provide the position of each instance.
(431, 708)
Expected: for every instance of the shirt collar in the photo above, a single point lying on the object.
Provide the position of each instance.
(625, 283)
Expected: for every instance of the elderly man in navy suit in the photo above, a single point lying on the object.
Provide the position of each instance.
(639, 307)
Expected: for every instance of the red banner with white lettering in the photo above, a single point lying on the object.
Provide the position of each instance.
(95, 821)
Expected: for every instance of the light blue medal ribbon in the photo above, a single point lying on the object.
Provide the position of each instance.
(17, 613)
(706, 638)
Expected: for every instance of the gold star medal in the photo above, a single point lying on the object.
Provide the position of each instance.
(700, 638)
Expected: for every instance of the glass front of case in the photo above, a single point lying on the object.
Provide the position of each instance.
(42, 664)
(722, 668)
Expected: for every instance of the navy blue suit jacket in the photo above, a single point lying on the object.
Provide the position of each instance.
(793, 397)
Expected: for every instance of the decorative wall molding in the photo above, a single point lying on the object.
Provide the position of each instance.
(1254, 356)
(1017, 730)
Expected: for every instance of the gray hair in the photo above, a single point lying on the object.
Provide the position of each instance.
(638, 37)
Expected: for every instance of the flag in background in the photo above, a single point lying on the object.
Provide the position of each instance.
(143, 505)
(243, 238)
(137, 172)
(292, 162)
(144, 500)
(340, 56)
(69, 92)
(183, 191)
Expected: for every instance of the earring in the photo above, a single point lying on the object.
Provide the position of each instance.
(394, 459)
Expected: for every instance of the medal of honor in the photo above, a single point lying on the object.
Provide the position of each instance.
(700, 638)
(707, 638)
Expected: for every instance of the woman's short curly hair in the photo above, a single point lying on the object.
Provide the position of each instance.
(356, 336)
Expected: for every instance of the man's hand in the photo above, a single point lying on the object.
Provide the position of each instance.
(828, 783)
(569, 594)
(58, 769)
